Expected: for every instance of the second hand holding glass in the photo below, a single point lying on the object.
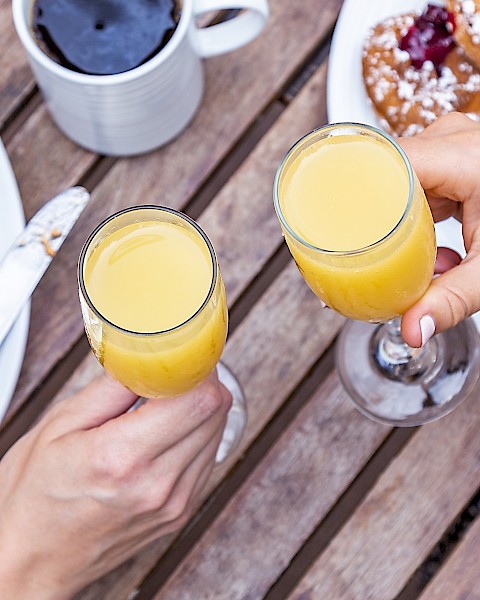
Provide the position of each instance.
(359, 227)
(154, 307)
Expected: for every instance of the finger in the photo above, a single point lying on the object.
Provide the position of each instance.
(450, 138)
(181, 454)
(166, 515)
(100, 401)
(450, 298)
(170, 515)
(194, 477)
(162, 423)
(446, 260)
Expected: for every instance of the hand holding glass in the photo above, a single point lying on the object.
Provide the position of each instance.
(154, 306)
(359, 227)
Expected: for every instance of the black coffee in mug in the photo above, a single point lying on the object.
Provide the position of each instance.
(103, 37)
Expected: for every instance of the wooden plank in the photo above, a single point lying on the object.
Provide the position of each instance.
(16, 79)
(238, 87)
(44, 161)
(281, 503)
(241, 222)
(270, 360)
(459, 578)
(55, 330)
(246, 214)
(403, 516)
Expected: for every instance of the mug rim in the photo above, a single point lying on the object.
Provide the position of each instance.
(20, 10)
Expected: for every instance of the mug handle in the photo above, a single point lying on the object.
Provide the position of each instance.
(232, 34)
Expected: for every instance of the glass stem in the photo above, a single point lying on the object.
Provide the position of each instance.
(396, 359)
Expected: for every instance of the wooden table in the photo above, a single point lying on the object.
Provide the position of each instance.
(320, 502)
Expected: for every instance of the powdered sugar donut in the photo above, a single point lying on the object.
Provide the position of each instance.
(409, 91)
(467, 27)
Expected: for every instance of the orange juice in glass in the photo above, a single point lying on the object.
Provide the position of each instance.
(353, 215)
(358, 225)
(154, 303)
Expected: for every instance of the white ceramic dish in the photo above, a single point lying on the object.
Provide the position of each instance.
(346, 96)
(12, 221)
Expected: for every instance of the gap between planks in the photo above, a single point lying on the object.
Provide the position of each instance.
(317, 57)
(379, 461)
(259, 127)
(52, 383)
(20, 115)
(55, 379)
(442, 550)
(32, 98)
(30, 411)
(222, 494)
(395, 441)
(340, 513)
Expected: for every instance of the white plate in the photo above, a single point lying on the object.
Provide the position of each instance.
(12, 221)
(346, 96)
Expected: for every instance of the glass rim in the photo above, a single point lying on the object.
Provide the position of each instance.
(100, 226)
(313, 133)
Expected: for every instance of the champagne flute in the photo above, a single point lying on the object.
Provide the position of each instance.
(359, 227)
(154, 307)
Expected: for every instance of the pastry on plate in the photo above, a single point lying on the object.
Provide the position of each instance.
(467, 27)
(414, 71)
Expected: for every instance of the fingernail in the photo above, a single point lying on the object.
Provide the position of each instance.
(322, 303)
(427, 327)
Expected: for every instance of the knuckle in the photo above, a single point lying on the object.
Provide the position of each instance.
(114, 464)
(158, 499)
(162, 494)
(209, 398)
(183, 519)
(178, 507)
(149, 501)
(121, 470)
(457, 305)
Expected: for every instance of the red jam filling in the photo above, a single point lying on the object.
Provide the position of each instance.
(430, 37)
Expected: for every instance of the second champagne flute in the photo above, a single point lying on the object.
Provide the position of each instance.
(358, 225)
(154, 307)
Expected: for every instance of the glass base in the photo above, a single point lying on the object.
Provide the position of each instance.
(237, 415)
(387, 397)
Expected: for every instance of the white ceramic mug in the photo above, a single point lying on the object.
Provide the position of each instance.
(138, 110)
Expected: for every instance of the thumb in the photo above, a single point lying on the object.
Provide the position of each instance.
(101, 400)
(451, 297)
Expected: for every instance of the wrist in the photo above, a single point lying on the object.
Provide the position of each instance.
(27, 587)
(24, 579)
